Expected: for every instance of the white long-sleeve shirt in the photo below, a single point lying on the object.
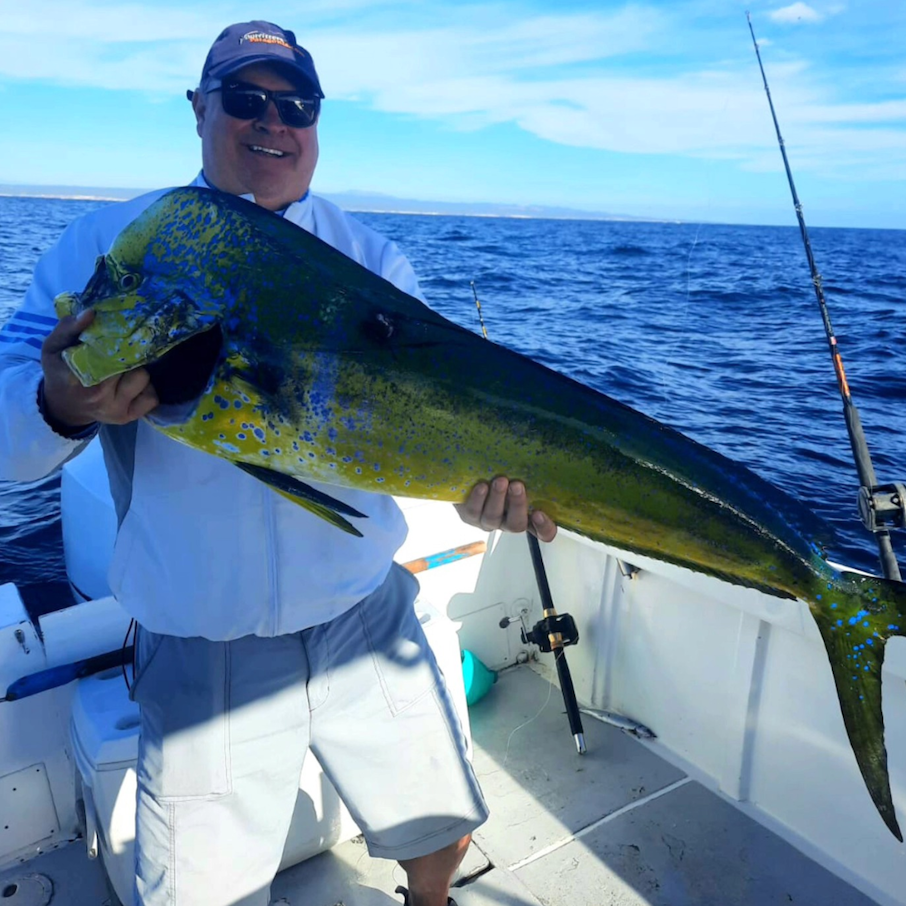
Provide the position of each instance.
(202, 548)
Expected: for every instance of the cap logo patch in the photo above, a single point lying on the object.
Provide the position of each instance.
(261, 37)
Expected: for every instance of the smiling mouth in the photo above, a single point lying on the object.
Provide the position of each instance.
(269, 152)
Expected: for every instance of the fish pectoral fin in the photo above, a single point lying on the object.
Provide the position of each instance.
(316, 502)
(324, 512)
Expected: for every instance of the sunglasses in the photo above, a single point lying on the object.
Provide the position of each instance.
(249, 102)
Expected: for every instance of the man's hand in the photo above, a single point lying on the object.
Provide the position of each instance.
(118, 400)
(503, 505)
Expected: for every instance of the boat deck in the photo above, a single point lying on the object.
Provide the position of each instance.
(619, 826)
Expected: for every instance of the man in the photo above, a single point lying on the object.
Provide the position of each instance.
(262, 633)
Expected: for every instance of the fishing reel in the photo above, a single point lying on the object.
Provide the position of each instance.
(561, 624)
(540, 634)
(882, 505)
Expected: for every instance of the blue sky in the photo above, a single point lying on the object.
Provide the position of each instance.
(652, 109)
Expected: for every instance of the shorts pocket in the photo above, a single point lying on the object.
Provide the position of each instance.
(182, 687)
(402, 657)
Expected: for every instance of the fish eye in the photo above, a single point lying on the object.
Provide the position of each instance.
(129, 282)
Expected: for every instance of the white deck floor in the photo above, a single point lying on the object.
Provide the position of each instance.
(618, 826)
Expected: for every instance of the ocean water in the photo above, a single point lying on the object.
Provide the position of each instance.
(712, 329)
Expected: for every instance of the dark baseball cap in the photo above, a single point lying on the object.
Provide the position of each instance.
(259, 42)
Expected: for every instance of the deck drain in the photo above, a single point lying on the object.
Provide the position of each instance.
(26, 890)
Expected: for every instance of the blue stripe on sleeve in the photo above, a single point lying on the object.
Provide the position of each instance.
(4, 338)
(32, 331)
(38, 319)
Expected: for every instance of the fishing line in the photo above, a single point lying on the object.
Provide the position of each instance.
(506, 754)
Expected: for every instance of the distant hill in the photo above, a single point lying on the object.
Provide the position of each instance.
(79, 192)
(368, 201)
(349, 201)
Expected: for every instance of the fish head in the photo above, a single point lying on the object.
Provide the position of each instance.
(137, 321)
(160, 291)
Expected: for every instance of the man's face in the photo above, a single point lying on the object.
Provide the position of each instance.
(233, 152)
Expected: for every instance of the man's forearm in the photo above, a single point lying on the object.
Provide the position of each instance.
(30, 448)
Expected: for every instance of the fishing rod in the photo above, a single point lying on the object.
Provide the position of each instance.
(52, 677)
(553, 632)
(484, 329)
(878, 504)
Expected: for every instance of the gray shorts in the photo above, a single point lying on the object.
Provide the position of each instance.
(226, 725)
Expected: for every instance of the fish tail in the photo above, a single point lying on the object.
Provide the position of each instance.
(856, 615)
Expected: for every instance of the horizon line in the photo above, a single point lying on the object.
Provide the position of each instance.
(544, 212)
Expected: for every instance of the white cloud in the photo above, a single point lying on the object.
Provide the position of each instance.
(105, 44)
(92, 23)
(138, 46)
(562, 77)
(796, 13)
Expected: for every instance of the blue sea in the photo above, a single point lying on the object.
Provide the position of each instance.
(712, 329)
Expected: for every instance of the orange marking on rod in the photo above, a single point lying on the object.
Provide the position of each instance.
(841, 374)
(421, 564)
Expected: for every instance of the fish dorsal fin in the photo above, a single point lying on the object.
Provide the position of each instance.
(317, 502)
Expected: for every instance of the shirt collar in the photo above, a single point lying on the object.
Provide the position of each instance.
(298, 210)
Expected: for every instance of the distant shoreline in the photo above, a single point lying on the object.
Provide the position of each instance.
(56, 197)
(365, 203)
(359, 203)
(355, 210)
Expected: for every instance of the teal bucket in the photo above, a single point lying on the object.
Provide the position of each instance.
(478, 679)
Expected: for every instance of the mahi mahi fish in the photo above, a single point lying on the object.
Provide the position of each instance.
(289, 359)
